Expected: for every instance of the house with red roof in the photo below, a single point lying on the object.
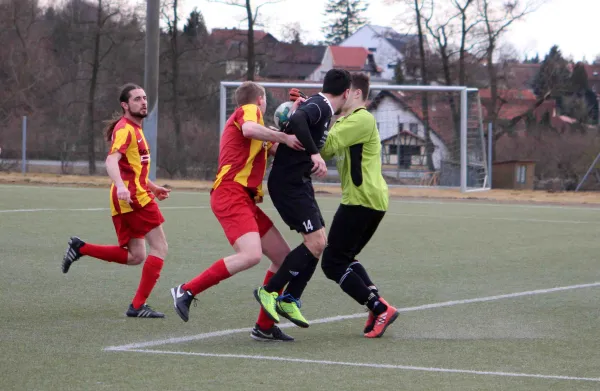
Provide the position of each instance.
(387, 46)
(400, 123)
(352, 59)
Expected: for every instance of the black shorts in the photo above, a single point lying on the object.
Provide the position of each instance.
(351, 229)
(295, 201)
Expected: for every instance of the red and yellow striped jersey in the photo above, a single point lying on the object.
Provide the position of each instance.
(242, 160)
(128, 139)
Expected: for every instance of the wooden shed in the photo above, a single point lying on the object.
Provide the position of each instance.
(513, 174)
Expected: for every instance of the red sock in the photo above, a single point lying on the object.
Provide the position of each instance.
(263, 321)
(106, 253)
(216, 273)
(150, 274)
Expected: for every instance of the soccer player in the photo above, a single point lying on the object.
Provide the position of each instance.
(234, 195)
(135, 214)
(291, 190)
(354, 140)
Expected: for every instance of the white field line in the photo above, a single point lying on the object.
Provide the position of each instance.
(525, 220)
(451, 303)
(371, 365)
(591, 207)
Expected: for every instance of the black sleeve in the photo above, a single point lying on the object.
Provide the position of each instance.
(299, 127)
(312, 111)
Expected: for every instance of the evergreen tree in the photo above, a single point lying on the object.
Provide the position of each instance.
(554, 75)
(532, 60)
(195, 25)
(345, 19)
(579, 79)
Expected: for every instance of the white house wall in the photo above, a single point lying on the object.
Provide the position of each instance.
(326, 65)
(384, 55)
(389, 114)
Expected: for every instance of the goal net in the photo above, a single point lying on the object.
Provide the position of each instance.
(430, 135)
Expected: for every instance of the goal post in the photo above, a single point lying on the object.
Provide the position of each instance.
(455, 128)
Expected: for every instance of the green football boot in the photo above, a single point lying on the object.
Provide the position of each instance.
(290, 310)
(267, 301)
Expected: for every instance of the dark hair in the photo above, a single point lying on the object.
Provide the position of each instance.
(336, 82)
(124, 96)
(248, 93)
(361, 81)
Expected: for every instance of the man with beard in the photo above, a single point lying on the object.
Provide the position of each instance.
(292, 193)
(135, 214)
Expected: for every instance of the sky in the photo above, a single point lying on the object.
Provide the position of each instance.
(571, 24)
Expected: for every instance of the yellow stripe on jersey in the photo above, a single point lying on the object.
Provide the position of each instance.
(242, 176)
(220, 175)
(120, 136)
(251, 113)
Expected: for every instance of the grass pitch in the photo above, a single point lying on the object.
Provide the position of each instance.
(449, 265)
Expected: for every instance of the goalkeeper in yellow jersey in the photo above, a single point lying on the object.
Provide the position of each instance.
(354, 141)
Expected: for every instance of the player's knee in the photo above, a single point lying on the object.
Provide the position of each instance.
(252, 258)
(316, 245)
(330, 268)
(136, 257)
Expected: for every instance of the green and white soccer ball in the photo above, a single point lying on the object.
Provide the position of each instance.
(282, 115)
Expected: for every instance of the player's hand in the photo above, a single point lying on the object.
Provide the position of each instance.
(297, 104)
(319, 168)
(292, 142)
(162, 193)
(296, 93)
(123, 194)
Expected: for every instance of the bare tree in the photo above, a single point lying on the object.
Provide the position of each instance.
(456, 21)
(174, 49)
(419, 7)
(251, 17)
(102, 17)
(497, 19)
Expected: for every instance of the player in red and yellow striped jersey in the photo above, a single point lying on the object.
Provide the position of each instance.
(237, 189)
(135, 214)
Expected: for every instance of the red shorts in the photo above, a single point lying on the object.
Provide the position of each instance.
(136, 224)
(237, 212)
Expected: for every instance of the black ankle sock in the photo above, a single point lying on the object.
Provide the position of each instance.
(293, 264)
(298, 283)
(376, 306)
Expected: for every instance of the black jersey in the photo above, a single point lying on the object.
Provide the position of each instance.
(289, 162)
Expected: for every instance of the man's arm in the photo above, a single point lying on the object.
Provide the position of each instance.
(256, 131)
(299, 125)
(355, 129)
(112, 168)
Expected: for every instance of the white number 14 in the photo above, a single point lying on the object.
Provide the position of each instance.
(307, 225)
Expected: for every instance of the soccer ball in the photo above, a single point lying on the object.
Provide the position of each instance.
(282, 115)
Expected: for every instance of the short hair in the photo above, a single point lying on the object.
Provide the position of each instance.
(336, 82)
(248, 93)
(361, 81)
